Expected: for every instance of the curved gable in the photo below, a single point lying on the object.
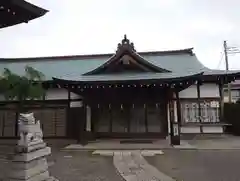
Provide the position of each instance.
(126, 59)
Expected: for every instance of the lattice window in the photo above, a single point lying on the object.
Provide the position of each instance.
(190, 112)
(209, 111)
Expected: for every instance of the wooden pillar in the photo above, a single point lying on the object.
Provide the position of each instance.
(129, 118)
(82, 139)
(199, 105)
(175, 133)
(171, 115)
(3, 126)
(16, 121)
(145, 118)
(164, 107)
(110, 121)
(43, 106)
(69, 132)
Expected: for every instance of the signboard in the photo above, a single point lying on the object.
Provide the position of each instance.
(214, 104)
(175, 130)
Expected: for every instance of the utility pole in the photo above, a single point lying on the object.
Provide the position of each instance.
(227, 69)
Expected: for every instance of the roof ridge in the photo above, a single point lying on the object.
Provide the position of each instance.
(90, 56)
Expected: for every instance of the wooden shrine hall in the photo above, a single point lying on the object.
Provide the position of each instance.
(129, 97)
(123, 95)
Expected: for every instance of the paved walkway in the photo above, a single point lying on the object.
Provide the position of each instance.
(116, 145)
(133, 167)
(224, 142)
(142, 152)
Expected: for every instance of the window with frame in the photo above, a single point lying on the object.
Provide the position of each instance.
(235, 94)
(208, 112)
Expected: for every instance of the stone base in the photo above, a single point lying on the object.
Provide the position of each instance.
(31, 172)
(40, 177)
(26, 166)
(27, 157)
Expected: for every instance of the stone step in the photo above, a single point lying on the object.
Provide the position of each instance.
(31, 172)
(28, 165)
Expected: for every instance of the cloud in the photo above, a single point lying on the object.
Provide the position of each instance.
(211, 27)
(93, 26)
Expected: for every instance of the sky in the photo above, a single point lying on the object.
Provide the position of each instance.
(75, 27)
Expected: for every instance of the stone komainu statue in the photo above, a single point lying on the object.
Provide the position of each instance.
(29, 130)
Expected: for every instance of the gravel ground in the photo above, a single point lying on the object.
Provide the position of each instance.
(75, 166)
(193, 165)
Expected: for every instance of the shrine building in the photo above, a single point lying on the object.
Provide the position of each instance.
(126, 94)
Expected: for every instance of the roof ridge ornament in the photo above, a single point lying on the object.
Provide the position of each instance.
(126, 44)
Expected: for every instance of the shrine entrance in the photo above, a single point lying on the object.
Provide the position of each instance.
(130, 121)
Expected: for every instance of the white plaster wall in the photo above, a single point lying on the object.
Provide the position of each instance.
(76, 104)
(206, 90)
(212, 129)
(205, 129)
(190, 92)
(190, 129)
(74, 96)
(56, 94)
(53, 94)
(209, 90)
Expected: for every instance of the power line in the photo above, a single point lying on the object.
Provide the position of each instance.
(232, 49)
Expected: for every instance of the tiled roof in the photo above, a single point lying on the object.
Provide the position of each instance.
(178, 62)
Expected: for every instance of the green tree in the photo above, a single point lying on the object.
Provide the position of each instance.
(22, 88)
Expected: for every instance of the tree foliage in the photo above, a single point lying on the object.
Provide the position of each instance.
(22, 88)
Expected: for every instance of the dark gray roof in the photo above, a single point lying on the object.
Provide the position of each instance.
(179, 62)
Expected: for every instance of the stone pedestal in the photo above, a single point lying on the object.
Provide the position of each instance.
(29, 161)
